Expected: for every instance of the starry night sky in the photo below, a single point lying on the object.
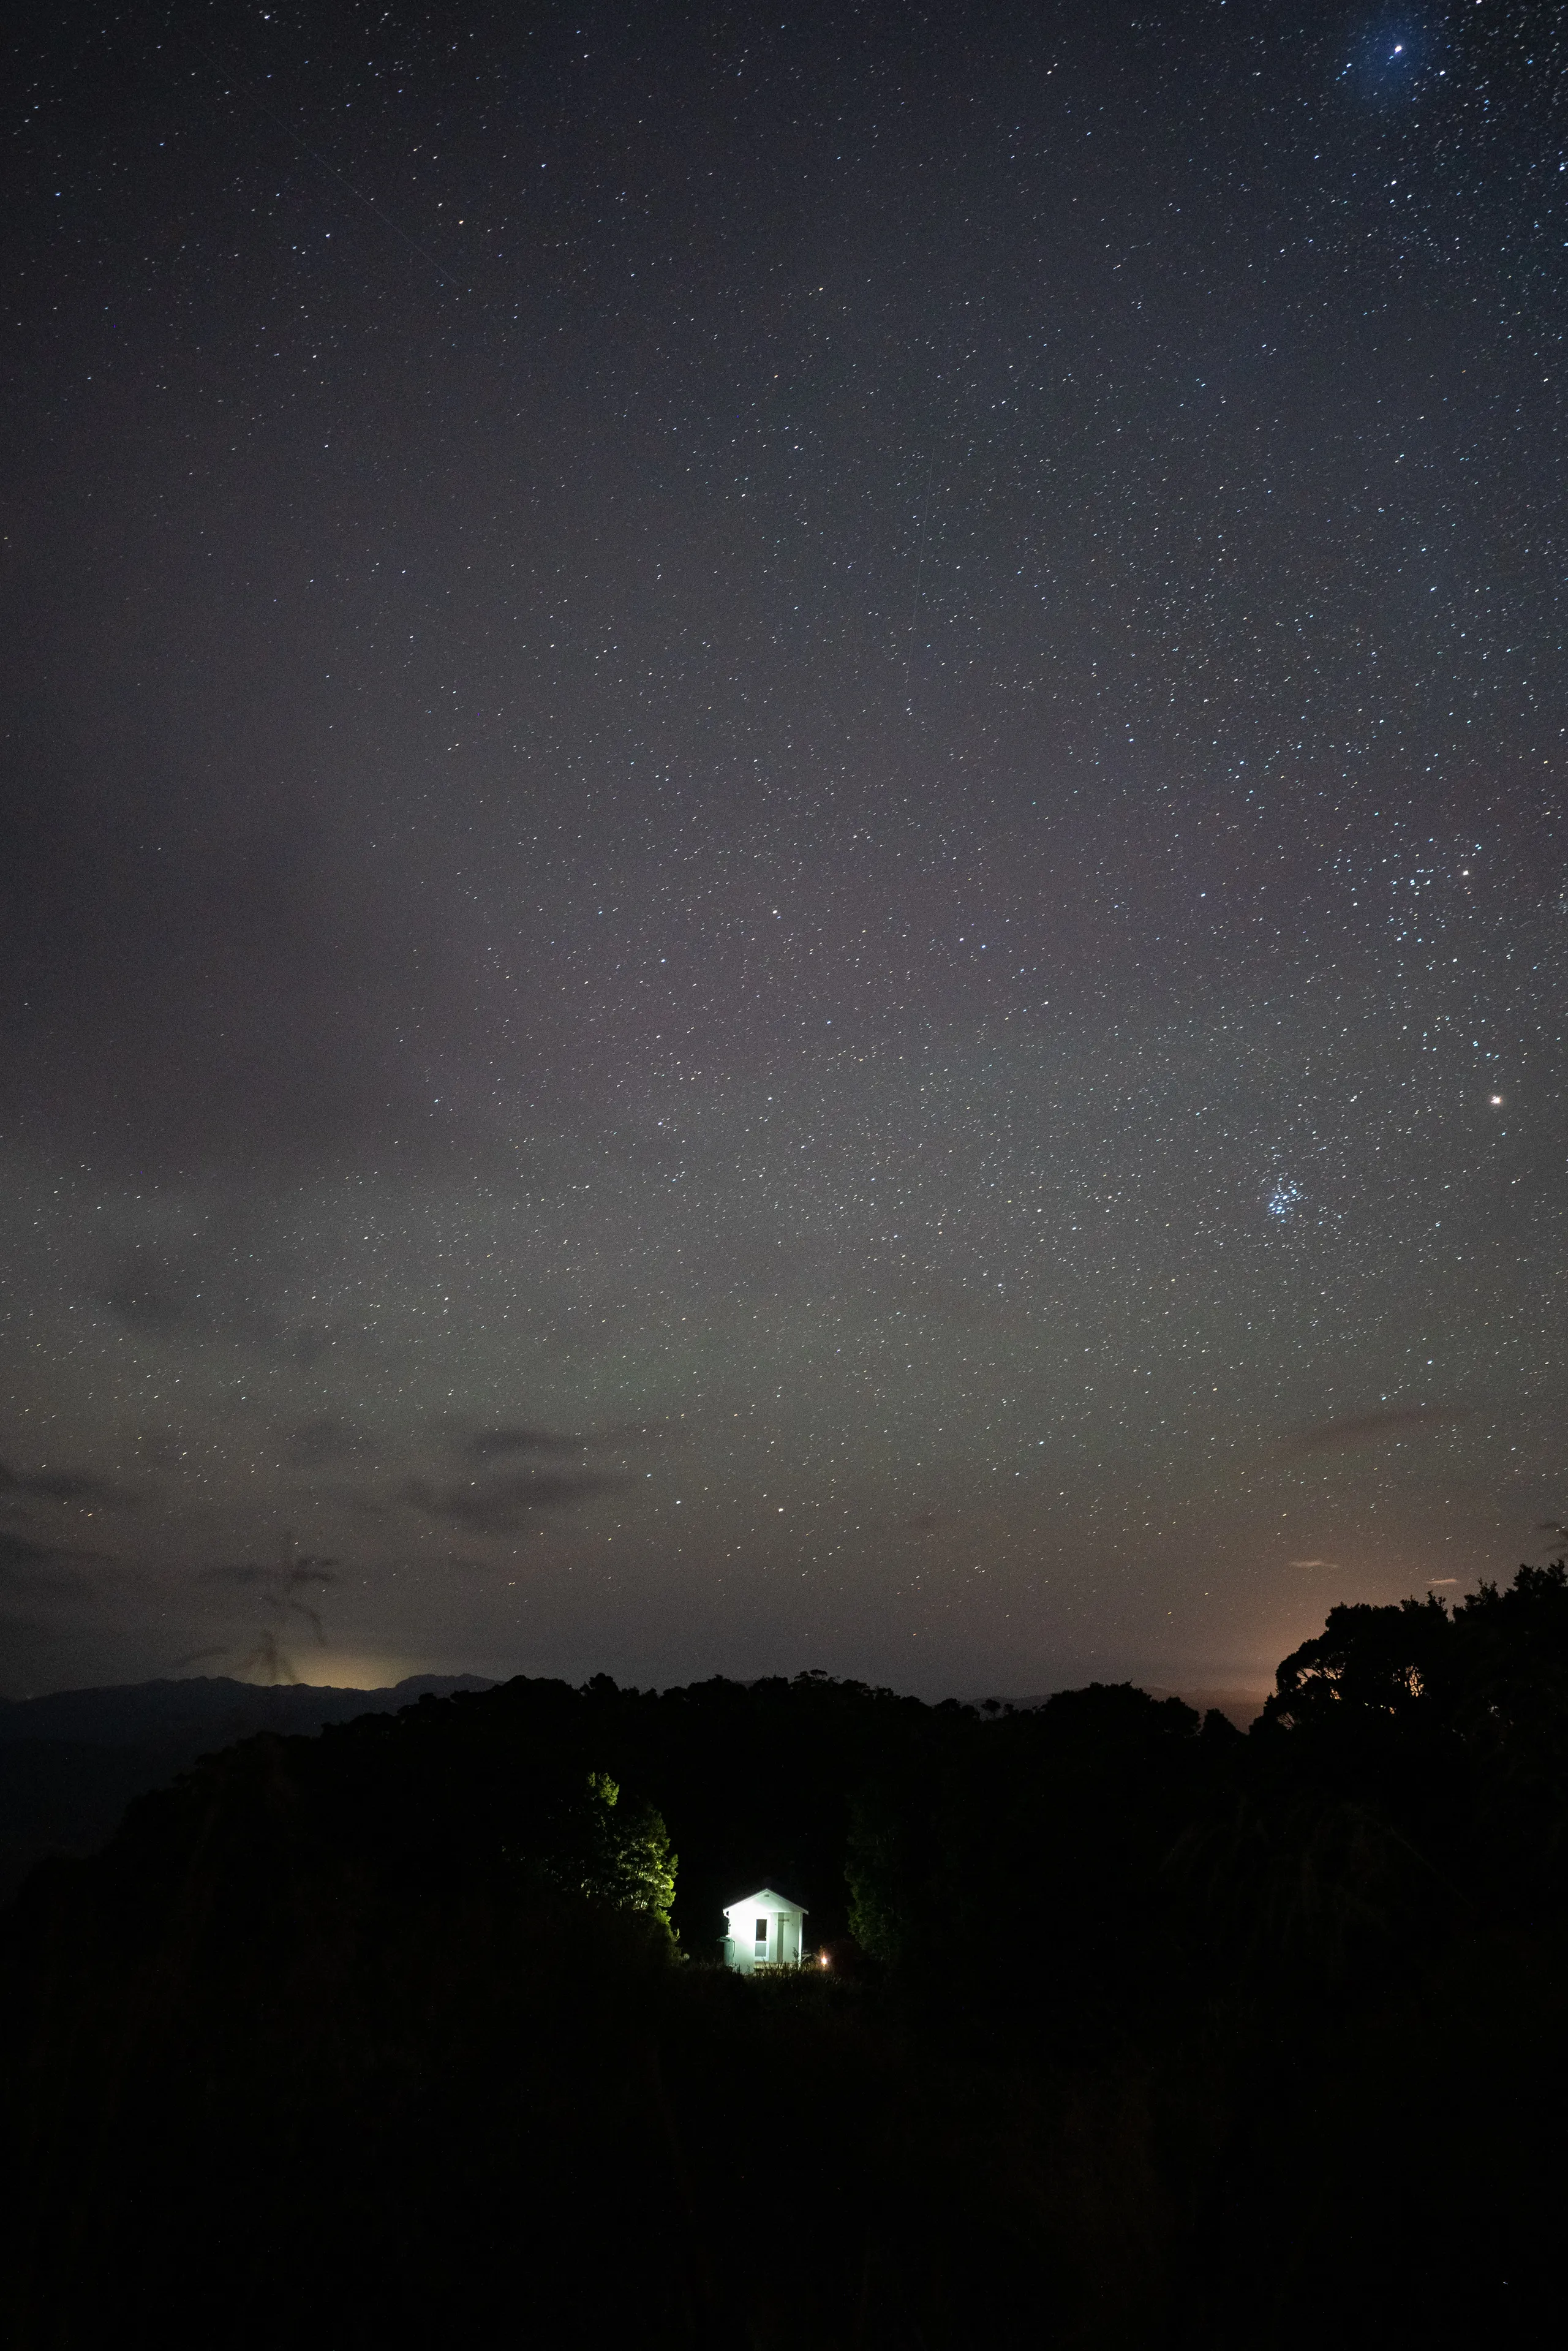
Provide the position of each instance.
(783, 874)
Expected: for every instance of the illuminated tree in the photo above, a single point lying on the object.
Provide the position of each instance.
(610, 1853)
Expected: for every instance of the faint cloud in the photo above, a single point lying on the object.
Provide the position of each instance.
(146, 1307)
(307, 1343)
(502, 1505)
(57, 1566)
(63, 1485)
(1312, 1562)
(282, 1588)
(499, 1444)
(1389, 1422)
(514, 1440)
(364, 1504)
(209, 1289)
(21, 1551)
(325, 1444)
(293, 1572)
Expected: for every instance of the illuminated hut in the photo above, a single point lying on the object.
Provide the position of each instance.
(766, 1929)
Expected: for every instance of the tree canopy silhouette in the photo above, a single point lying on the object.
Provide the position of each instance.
(418, 2025)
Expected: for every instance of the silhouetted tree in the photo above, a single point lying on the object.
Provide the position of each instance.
(1368, 1661)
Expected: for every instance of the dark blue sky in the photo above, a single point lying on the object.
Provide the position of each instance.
(783, 873)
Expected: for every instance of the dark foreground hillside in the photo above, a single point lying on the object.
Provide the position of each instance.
(1139, 2031)
(70, 1762)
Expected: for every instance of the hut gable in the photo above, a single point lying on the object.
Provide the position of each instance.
(764, 1930)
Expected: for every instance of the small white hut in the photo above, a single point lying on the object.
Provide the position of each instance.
(766, 1929)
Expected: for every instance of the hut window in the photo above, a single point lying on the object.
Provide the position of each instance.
(762, 1930)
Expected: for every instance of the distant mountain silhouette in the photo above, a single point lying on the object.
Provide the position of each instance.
(70, 1762)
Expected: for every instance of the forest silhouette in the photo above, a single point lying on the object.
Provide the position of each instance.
(1128, 2029)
